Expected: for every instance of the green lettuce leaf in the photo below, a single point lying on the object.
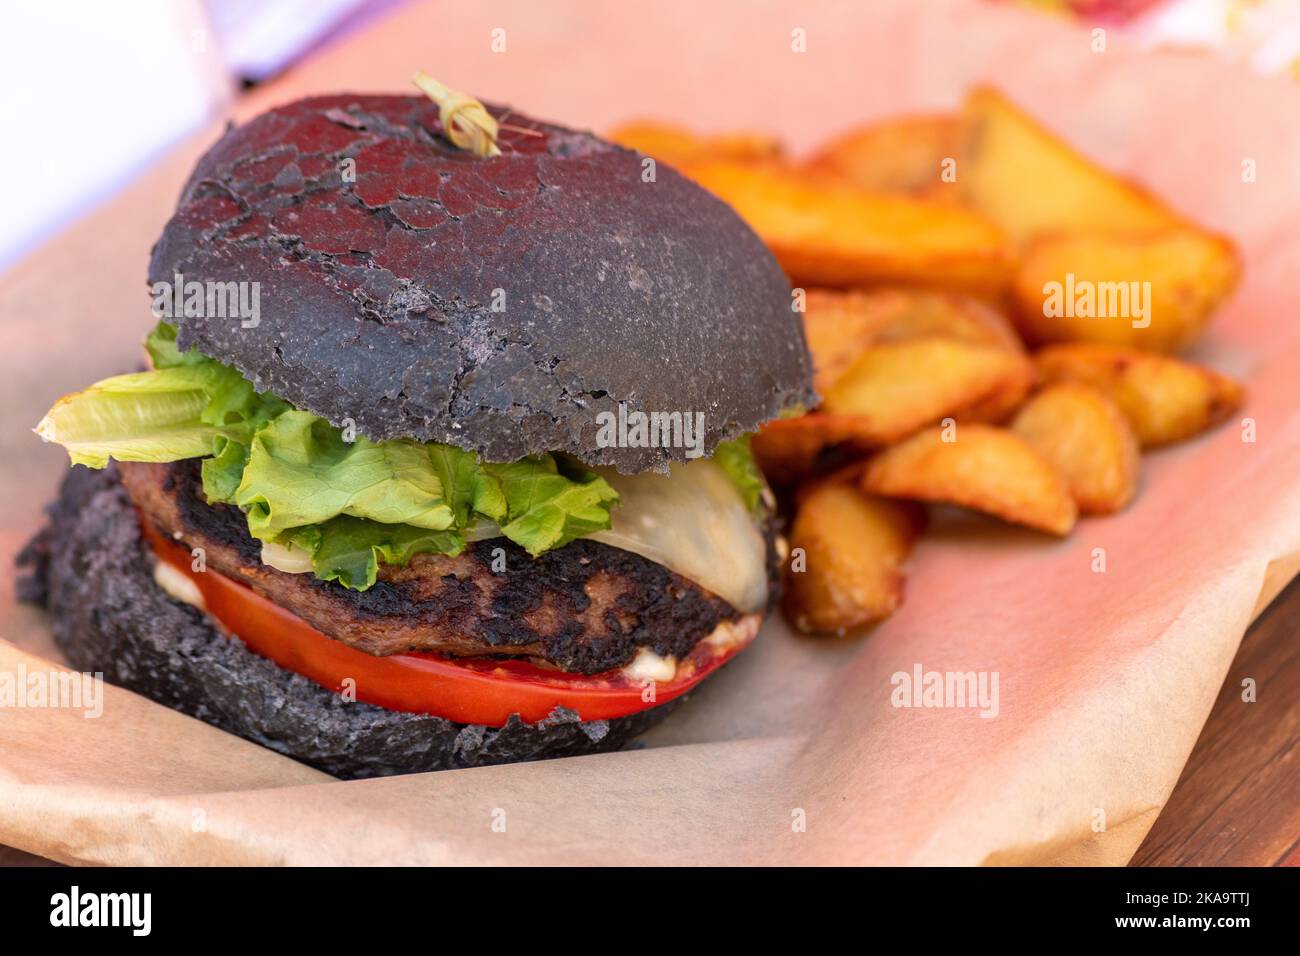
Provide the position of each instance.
(466, 487)
(349, 550)
(352, 505)
(223, 472)
(241, 411)
(737, 460)
(538, 506)
(300, 471)
(165, 353)
(145, 416)
(547, 509)
(188, 407)
(231, 397)
(232, 400)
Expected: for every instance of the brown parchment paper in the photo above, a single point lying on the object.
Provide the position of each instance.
(794, 753)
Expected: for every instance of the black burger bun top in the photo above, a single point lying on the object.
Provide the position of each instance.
(495, 304)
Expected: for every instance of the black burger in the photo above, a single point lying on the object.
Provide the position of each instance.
(442, 458)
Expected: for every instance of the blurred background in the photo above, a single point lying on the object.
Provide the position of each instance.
(120, 83)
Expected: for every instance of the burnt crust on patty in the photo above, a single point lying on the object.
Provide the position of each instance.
(585, 608)
(91, 570)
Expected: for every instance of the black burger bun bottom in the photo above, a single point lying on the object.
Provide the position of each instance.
(94, 573)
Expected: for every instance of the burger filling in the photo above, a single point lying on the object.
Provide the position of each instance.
(585, 608)
(419, 551)
(467, 690)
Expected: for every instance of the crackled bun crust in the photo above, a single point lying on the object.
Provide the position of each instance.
(377, 291)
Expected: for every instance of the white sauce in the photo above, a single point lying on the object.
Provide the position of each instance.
(177, 585)
(647, 665)
(730, 633)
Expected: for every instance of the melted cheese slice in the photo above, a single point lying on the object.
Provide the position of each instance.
(694, 522)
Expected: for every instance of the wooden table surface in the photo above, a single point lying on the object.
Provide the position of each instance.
(1237, 802)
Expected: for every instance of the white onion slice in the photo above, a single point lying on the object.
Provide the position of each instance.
(286, 558)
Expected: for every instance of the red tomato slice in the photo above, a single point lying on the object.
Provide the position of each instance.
(466, 690)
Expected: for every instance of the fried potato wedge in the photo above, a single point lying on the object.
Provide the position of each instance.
(826, 233)
(789, 450)
(840, 325)
(1153, 291)
(1086, 438)
(847, 550)
(904, 154)
(676, 145)
(914, 313)
(896, 388)
(1029, 181)
(998, 405)
(1165, 399)
(985, 468)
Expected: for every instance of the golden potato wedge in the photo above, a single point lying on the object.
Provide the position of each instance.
(1086, 438)
(985, 468)
(840, 325)
(1165, 399)
(996, 407)
(851, 548)
(826, 233)
(913, 313)
(896, 388)
(1030, 182)
(675, 144)
(1153, 291)
(790, 450)
(903, 154)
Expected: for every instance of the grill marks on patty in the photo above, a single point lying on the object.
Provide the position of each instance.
(586, 607)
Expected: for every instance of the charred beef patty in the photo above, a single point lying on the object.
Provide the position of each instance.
(585, 608)
(94, 574)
